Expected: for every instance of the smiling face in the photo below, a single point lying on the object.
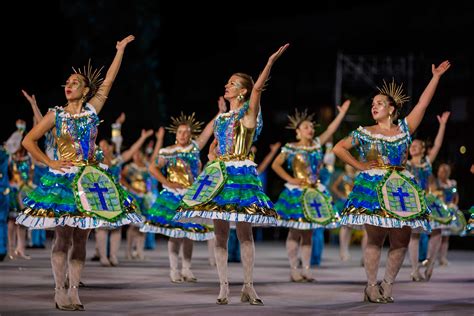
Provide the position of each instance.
(183, 135)
(417, 148)
(75, 87)
(305, 131)
(381, 108)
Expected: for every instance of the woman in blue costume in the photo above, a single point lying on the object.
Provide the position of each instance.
(76, 194)
(21, 183)
(385, 198)
(115, 163)
(176, 168)
(446, 189)
(229, 189)
(420, 166)
(305, 203)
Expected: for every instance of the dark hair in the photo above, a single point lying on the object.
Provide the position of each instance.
(247, 83)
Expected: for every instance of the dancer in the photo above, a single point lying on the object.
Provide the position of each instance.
(420, 166)
(229, 189)
(385, 197)
(72, 196)
(181, 164)
(305, 203)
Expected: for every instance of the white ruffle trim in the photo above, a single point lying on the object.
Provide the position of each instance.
(176, 233)
(189, 216)
(74, 170)
(36, 222)
(240, 163)
(387, 222)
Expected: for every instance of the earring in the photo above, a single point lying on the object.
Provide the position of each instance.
(240, 97)
(390, 117)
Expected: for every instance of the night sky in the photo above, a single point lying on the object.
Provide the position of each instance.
(184, 53)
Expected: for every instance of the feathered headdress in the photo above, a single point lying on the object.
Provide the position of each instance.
(190, 120)
(295, 120)
(395, 92)
(93, 78)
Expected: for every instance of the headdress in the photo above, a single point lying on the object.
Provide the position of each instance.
(395, 92)
(295, 120)
(93, 78)
(190, 120)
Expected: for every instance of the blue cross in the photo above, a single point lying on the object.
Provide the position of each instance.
(316, 205)
(400, 194)
(437, 208)
(203, 183)
(100, 192)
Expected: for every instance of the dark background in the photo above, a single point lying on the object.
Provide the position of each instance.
(184, 53)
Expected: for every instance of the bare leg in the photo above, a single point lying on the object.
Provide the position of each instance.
(11, 239)
(115, 240)
(173, 254)
(76, 264)
(399, 240)
(433, 248)
(244, 233)
(61, 244)
(292, 245)
(101, 242)
(211, 245)
(130, 240)
(188, 275)
(443, 251)
(345, 233)
(413, 248)
(140, 244)
(375, 239)
(306, 241)
(221, 230)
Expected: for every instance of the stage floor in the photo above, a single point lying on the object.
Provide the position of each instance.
(144, 288)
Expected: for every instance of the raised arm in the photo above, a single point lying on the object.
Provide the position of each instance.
(208, 130)
(268, 158)
(30, 142)
(160, 135)
(98, 100)
(416, 115)
(128, 154)
(34, 105)
(341, 150)
(326, 135)
(117, 138)
(443, 119)
(255, 95)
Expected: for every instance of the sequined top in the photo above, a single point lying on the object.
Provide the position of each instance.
(422, 172)
(347, 184)
(22, 170)
(304, 161)
(138, 178)
(115, 167)
(448, 190)
(387, 150)
(182, 164)
(4, 185)
(75, 135)
(233, 138)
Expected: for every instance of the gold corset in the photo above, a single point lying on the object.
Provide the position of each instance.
(300, 168)
(243, 138)
(67, 149)
(180, 173)
(138, 184)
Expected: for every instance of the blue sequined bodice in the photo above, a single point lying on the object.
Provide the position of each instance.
(304, 162)
(421, 172)
(182, 164)
(388, 150)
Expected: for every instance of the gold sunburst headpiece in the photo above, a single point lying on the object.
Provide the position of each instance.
(295, 120)
(395, 92)
(190, 120)
(93, 78)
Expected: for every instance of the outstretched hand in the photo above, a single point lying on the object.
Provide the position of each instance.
(222, 105)
(441, 69)
(344, 107)
(160, 133)
(147, 133)
(121, 118)
(443, 119)
(278, 53)
(274, 147)
(123, 43)
(30, 98)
